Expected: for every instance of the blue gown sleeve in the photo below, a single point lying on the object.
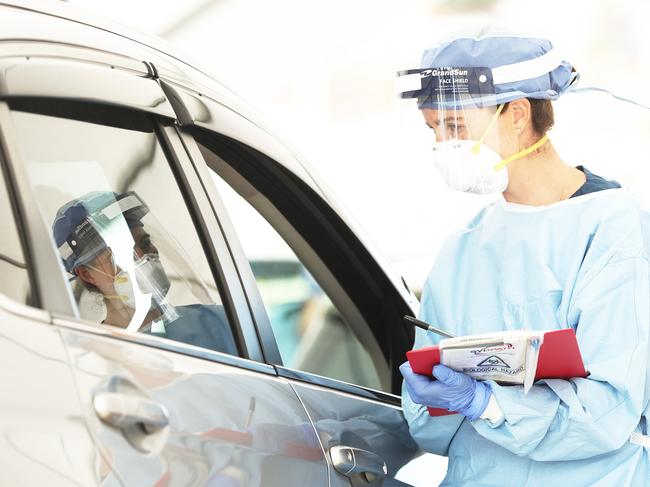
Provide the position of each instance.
(432, 433)
(582, 418)
(203, 325)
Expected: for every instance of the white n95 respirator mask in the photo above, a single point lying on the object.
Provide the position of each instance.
(471, 167)
(151, 279)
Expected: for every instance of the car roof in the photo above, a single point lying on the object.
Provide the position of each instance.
(30, 28)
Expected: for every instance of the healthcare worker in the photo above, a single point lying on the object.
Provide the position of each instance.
(107, 248)
(562, 248)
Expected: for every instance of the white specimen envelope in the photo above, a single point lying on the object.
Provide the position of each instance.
(508, 357)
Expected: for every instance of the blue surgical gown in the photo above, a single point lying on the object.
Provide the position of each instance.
(580, 263)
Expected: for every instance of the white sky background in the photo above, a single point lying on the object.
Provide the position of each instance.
(322, 74)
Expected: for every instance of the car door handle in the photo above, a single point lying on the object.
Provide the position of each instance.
(353, 461)
(125, 411)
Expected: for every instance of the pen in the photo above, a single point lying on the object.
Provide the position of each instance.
(427, 327)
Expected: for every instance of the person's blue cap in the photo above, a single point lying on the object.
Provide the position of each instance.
(487, 71)
(77, 224)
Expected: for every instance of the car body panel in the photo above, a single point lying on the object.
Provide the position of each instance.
(346, 420)
(215, 434)
(43, 436)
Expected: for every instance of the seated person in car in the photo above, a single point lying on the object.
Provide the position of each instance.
(106, 241)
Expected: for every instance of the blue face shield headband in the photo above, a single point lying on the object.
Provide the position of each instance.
(78, 227)
(544, 77)
(448, 87)
(489, 71)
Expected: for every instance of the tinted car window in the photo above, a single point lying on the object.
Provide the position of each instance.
(123, 231)
(313, 335)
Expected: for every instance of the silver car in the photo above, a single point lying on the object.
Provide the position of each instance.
(283, 369)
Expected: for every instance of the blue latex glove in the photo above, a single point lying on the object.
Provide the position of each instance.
(453, 390)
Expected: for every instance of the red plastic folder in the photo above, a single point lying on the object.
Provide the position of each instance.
(559, 358)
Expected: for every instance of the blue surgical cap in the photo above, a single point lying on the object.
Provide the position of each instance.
(520, 67)
(76, 224)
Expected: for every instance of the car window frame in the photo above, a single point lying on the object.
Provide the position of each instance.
(195, 115)
(224, 270)
(262, 314)
(51, 291)
(270, 349)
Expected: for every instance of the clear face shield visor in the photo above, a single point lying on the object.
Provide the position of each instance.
(474, 135)
(462, 113)
(138, 263)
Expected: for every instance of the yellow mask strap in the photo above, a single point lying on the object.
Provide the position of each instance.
(477, 146)
(118, 297)
(520, 154)
(105, 273)
(98, 270)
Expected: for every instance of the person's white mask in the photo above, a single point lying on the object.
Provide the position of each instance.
(151, 279)
(471, 167)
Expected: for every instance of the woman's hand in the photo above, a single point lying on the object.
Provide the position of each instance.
(452, 390)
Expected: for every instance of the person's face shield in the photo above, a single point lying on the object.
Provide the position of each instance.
(587, 127)
(461, 110)
(137, 267)
(468, 123)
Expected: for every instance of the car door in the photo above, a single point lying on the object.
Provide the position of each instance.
(162, 409)
(332, 314)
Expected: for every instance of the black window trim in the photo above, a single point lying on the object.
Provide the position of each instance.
(261, 324)
(338, 385)
(311, 260)
(390, 348)
(218, 251)
(200, 114)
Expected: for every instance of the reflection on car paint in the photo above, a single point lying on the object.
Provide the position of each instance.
(42, 432)
(214, 432)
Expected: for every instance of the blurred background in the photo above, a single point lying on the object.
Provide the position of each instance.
(322, 74)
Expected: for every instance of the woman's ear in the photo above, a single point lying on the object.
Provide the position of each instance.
(85, 275)
(520, 114)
